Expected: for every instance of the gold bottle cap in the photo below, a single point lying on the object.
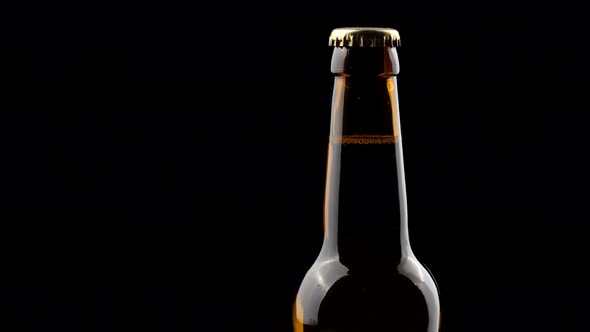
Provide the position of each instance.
(364, 37)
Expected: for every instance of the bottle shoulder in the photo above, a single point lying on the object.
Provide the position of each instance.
(325, 272)
(331, 289)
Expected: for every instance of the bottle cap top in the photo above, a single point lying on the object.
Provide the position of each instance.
(364, 37)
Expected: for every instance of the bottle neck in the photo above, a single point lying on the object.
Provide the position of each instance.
(365, 219)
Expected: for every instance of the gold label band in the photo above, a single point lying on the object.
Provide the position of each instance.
(364, 139)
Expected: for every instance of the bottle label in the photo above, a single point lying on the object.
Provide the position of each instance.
(363, 139)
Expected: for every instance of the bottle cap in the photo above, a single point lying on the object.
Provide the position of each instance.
(364, 37)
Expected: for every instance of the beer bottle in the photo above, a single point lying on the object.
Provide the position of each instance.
(366, 278)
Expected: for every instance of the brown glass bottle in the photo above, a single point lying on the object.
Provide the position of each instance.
(366, 278)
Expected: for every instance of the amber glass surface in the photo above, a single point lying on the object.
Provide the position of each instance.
(366, 278)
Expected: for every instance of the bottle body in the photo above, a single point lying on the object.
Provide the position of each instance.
(366, 277)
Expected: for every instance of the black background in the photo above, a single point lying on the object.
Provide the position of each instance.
(163, 165)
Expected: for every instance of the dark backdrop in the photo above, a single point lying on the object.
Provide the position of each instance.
(163, 165)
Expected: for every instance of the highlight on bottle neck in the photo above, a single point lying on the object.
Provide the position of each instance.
(365, 51)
